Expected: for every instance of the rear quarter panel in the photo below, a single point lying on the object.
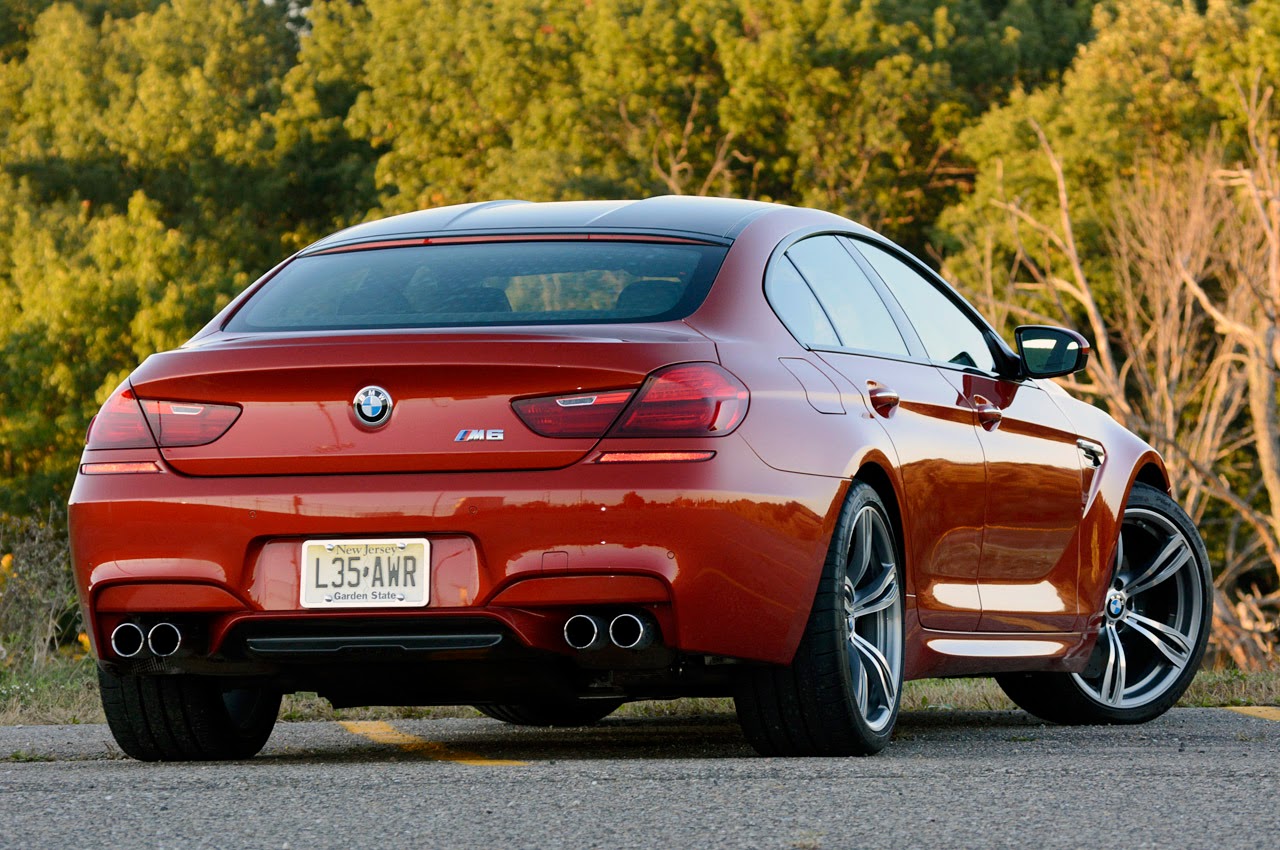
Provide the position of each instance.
(805, 417)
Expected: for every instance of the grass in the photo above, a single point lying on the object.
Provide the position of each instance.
(64, 691)
(1219, 688)
(954, 695)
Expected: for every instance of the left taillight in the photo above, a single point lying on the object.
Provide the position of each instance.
(127, 422)
(120, 424)
(182, 423)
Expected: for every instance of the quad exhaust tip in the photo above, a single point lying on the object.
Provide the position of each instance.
(628, 631)
(127, 640)
(164, 639)
(585, 632)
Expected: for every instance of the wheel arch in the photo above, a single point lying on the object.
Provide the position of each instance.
(874, 472)
(1132, 462)
(1151, 473)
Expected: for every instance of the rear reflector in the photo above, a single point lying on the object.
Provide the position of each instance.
(577, 415)
(132, 467)
(654, 457)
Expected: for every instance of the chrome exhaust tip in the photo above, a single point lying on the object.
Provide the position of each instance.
(164, 639)
(127, 640)
(629, 631)
(583, 632)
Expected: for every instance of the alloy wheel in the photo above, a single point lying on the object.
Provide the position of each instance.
(873, 616)
(1153, 613)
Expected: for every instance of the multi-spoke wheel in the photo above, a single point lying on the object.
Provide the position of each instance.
(1156, 619)
(872, 605)
(840, 696)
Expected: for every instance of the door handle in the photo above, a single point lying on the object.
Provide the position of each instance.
(1091, 450)
(883, 399)
(989, 415)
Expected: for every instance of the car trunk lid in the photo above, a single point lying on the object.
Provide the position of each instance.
(451, 394)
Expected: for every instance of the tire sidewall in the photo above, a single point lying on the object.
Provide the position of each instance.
(860, 496)
(1152, 499)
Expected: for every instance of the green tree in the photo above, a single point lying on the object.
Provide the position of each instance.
(88, 297)
(1134, 93)
(650, 88)
(326, 175)
(18, 17)
(464, 108)
(141, 181)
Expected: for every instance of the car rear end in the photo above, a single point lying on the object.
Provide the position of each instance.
(448, 470)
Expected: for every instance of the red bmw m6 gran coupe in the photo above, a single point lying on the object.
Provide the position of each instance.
(547, 458)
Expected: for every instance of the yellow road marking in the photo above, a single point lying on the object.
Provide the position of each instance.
(384, 733)
(1266, 712)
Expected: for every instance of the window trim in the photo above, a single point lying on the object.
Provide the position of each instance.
(1004, 359)
(915, 349)
(874, 288)
(770, 268)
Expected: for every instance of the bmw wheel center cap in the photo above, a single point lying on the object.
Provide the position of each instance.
(372, 406)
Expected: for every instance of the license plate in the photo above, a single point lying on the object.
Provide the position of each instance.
(378, 573)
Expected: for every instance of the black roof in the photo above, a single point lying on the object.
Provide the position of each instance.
(719, 219)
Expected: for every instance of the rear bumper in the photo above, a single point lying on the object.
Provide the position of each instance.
(723, 555)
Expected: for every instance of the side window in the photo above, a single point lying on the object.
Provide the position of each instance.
(795, 305)
(948, 333)
(859, 316)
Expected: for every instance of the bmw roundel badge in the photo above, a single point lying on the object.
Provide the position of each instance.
(372, 406)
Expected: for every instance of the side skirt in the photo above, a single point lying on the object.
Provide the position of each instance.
(935, 654)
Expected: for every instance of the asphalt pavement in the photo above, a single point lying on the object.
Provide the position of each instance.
(1194, 778)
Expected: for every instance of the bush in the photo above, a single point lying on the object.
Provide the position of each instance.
(38, 610)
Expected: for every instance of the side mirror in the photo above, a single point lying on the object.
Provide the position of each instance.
(1047, 352)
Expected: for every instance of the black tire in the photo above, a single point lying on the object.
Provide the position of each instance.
(1156, 621)
(828, 702)
(578, 712)
(186, 718)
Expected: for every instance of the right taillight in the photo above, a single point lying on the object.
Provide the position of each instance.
(127, 422)
(685, 400)
(574, 415)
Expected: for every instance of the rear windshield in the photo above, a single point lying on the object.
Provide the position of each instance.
(482, 284)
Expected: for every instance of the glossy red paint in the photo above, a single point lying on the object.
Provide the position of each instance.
(167, 597)
(553, 591)
(940, 461)
(692, 524)
(1006, 534)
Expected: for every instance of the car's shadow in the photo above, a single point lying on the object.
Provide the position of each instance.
(710, 736)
